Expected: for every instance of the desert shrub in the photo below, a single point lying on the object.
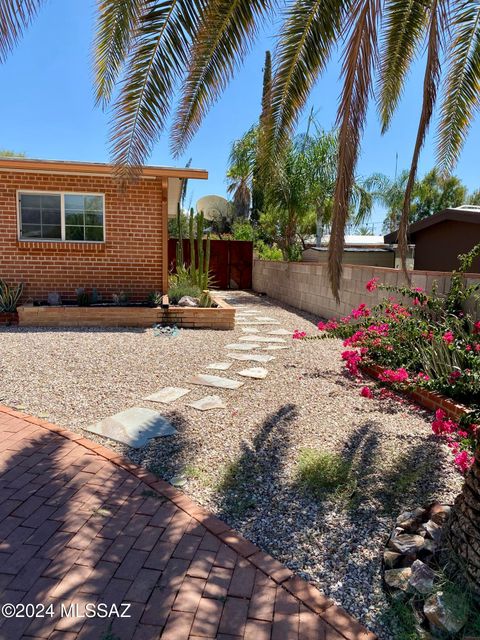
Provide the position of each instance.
(177, 291)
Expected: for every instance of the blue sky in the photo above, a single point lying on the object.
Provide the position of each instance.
(47, 108)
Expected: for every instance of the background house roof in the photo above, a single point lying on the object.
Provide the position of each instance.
(465, 213)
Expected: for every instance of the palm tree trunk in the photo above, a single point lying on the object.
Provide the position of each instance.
(463, 530)
(320, 226)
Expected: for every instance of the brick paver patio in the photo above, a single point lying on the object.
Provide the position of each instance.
(80, 524)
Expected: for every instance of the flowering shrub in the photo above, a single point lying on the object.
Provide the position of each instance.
(421, 340)
(460, 438)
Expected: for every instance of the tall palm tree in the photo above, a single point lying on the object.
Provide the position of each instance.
(240, 172)
(157, 46)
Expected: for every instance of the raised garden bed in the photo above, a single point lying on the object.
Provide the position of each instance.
(220, 317)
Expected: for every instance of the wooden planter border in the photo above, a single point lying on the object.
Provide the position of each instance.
(8, 318)
(220, 317)
(429, 399)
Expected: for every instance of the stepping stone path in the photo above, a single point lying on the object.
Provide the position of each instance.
(242, 346)
(257, 321)
(250, 330)
(133, 427)
(279, 332)
(260, 339)
(214, 381)
(252, 357)
(220, 366)
(276, 347)
(167, 395)
(207, 403)
(258, 373)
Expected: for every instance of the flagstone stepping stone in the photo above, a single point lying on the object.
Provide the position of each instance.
(280, 332)
(220, 366)
(261, 339)
(178, 481)
(255, 372)
(167, 395)
(242, 346)
(257, 321)
(207, 403)
(252, 357)
(265, 318)
(250, 330)
(276, 347)
(214, 381)
(133, 427)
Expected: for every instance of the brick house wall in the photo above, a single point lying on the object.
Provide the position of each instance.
(133, 257)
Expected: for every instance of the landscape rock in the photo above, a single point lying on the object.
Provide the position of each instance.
(398, 578)
(445, 616)
(422, 577)
(390, 558)
(440, 513)
(434, 531)
(408, 521)
(406, 543)
(188, 301)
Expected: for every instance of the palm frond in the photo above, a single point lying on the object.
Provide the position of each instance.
(404, 26)
(310, 30)
(436, 29)
(117, 23)
(15, 17)
(358, 66)
(227, 31)
(462, 90)
(158, 60)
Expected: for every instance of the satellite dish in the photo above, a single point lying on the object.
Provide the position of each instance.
(215, 208)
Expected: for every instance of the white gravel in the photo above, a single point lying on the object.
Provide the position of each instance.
(241, 462)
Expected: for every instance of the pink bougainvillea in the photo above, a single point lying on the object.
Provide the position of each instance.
(366, 392)
(372, 284)
(463, 461)
(448, 337)
(394, 375)
(299, 335)
(331, 325)
(362, 311)
(457, 439)
(352, 360)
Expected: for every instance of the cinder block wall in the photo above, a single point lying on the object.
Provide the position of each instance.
(131, 259)
(305, 285)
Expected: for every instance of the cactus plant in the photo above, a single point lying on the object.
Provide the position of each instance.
(179, 256)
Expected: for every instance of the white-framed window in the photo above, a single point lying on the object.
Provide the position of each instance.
(71, 217)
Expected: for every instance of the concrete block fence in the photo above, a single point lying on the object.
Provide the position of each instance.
(305, 285)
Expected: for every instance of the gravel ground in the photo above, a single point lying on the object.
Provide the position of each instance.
(242, 462)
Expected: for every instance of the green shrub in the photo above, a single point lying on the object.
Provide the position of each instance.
(9, 296)
(319, 471)
(266, 252)
(155, 298)
(177, 291)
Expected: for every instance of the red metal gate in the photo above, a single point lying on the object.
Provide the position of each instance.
(231, 261)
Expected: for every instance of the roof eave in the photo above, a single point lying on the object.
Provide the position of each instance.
(93, 168)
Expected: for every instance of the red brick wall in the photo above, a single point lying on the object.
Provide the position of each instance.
(131, 259)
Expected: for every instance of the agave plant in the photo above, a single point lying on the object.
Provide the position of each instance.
(10, 296)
